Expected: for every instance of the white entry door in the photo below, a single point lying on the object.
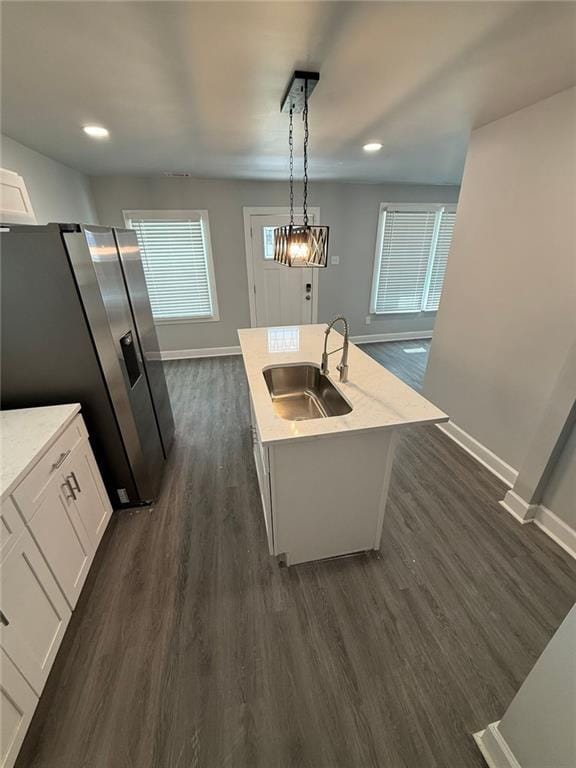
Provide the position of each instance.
(282, 295)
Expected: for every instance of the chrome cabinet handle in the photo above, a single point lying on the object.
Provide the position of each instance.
(76, 483)
(3, 619)
(59, 461)
(65, 486)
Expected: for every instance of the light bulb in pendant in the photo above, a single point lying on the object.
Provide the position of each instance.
(299, 251)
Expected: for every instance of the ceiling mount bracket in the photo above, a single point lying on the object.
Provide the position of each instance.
(294, 96)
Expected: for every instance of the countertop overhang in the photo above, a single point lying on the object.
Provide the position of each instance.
(379, 399)
(24, 433)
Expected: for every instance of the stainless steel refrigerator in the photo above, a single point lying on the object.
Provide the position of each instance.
(76, 326)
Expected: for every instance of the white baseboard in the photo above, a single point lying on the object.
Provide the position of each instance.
(185, 354)
(557, 529)
(520, 509)
(494, 748)
(407, 336)
(544, 518)
(484, 455)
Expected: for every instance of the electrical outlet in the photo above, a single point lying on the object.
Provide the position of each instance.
(368, 319)
(334, 259)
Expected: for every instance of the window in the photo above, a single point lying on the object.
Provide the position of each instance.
(177, 261)
(411, 256)
(269, 244)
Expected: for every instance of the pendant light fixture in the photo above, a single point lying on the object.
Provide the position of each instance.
(300, 245)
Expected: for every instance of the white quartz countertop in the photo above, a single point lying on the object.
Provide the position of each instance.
(25, 433)
(379, 399)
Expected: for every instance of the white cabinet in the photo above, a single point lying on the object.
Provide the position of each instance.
(15, 205)
(28, 493)
(17, 704)
(34, 612)
(69, 519)
(11, 524)
(66, 508)
(91, 501)
(52, 518)
(60, 534)
(324, 497)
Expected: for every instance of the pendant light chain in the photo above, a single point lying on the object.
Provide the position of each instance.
(305, 115)
(302, 244)
(291, 145)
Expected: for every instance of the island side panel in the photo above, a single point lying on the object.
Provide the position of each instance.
(328, 494)
(388, 464)
(261, 462)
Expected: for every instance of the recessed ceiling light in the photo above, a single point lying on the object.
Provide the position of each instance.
(372, 146)
(96, 131)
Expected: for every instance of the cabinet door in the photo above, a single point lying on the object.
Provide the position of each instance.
(34, 612)
(62, 538)
(91, 500)
(17, 704)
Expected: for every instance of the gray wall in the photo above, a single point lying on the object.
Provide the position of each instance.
(539, 723)
(506, 319)
(57, 192)
(351, 211)
(560, 493)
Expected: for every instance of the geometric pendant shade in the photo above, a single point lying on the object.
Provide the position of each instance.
(297, 245)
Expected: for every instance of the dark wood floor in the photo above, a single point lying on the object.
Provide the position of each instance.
(409, 365)
(191, 648)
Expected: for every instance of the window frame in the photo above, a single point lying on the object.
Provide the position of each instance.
(417, 207)
(184, 215)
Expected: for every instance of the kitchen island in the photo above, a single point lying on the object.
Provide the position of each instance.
(323, 463)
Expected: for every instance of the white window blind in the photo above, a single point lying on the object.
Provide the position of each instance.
(411, 257)
(177, 261)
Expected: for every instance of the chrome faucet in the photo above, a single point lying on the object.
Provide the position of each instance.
(343, 365)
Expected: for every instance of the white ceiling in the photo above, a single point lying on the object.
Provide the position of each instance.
(196, 86)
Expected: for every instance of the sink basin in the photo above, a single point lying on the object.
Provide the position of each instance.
(301, 392)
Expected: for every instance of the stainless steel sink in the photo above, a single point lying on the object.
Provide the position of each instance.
(301, 392)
